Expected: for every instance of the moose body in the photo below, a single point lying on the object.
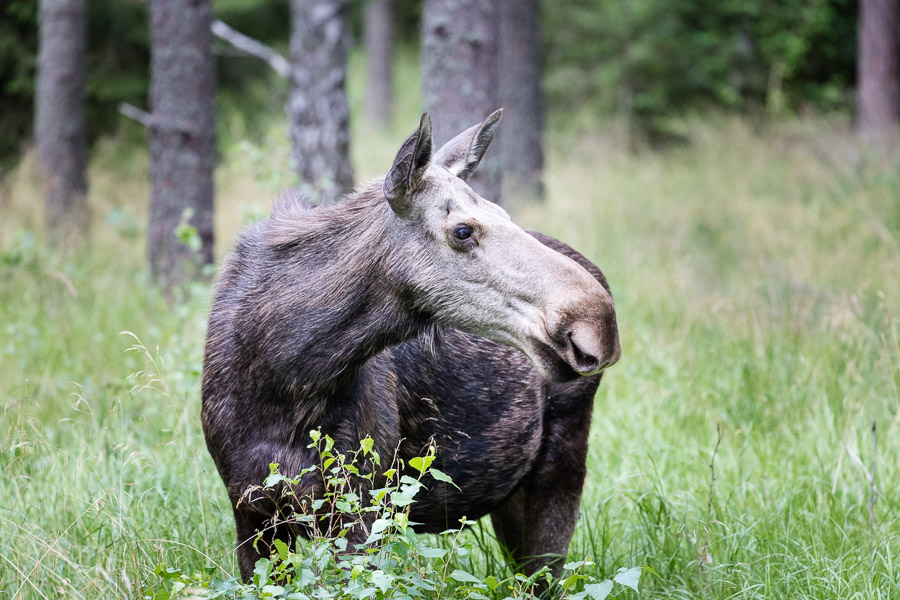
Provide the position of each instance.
(373, 317)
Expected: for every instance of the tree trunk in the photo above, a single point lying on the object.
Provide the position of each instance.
(182, 139)
(878, 91)
(317, 107)
(379, 34)
(59, 116)
(521, 144)
(459, 75)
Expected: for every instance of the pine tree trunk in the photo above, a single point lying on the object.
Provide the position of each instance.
(59, 117)
(182, 139)
(379, 42)
(317, 107)
(459, 76)
(878, 91)
(521, 144)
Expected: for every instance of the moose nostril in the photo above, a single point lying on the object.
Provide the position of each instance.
(584, 361)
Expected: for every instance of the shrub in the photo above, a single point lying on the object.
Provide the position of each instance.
(393, 561)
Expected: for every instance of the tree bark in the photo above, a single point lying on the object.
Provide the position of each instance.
(878, 91)
(59, 116)
(459, 75)
(521, 144)
(379, 34)
(317, 108)
(182, 139)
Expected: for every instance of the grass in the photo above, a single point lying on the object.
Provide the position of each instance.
(756, 274)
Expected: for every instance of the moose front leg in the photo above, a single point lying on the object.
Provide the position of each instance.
(537, 521)
(265, 514)
(255, 539)
(536, 525)
(262, 516)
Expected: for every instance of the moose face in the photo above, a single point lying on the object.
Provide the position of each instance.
(472, 268)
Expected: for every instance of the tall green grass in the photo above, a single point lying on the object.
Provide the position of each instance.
(756, 275)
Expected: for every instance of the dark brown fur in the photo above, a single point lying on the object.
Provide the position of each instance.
(514, 443)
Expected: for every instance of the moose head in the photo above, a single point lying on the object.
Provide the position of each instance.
(468, 266)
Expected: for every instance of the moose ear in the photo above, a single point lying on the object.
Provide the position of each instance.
(463, 153)
(409, 166)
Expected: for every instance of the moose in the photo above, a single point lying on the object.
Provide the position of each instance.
(413, 311)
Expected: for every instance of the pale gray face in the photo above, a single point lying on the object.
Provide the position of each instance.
(478, 271)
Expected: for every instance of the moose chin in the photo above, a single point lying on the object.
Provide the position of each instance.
(321, 319)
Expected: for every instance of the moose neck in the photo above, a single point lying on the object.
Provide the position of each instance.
(337, 307)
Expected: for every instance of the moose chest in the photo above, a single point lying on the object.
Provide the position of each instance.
(482, 405)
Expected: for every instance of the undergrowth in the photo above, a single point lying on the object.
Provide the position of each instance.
(362, 544)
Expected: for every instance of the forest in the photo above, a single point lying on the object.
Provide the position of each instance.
(732, 167)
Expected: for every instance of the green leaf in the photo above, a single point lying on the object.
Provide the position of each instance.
(401, 499)
(281, 548)
(432, 552)
(380, 525)
(464, 577)
(275, 590)
(167, 572)
(598, 591)
(629, 577)
(373, 537)
(571, 566)
(273, 479)
(261, 570)
(570, 581)
(306, 577)
(421, 463)
(366, 445)
(441, 476)
(382, 580)
(187, 235)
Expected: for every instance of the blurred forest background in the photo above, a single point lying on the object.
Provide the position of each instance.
(70, 69)
(732, 166)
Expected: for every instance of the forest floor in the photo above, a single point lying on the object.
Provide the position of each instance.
(756, 274)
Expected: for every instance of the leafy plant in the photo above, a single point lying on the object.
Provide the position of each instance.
(361, 543)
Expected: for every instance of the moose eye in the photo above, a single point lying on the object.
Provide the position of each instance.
(462, 232)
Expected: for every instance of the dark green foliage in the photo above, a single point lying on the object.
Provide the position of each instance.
(117, 61)
(118, 64)
(646, 60)
(18, 60)
(118, 55)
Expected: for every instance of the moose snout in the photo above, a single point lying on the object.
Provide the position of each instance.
(585, 333)
(591, 349)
